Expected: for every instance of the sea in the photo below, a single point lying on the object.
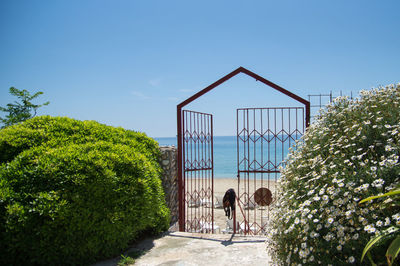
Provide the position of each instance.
(225, 154)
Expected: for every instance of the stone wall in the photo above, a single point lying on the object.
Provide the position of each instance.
(168, 162)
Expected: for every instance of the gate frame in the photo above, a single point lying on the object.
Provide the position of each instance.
(201, 93)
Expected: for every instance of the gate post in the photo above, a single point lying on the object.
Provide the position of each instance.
(308, 114)
(180, 178)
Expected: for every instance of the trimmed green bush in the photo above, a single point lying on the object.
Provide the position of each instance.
(74, 192)
(350, 153)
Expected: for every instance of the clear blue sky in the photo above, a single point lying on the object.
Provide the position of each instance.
(129, 63)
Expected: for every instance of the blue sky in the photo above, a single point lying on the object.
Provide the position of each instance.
(129, 63)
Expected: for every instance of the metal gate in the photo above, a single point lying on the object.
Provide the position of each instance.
(264, 136)
(259, 129)
(198, 172)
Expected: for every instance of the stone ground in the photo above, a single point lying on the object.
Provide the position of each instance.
(179, 248)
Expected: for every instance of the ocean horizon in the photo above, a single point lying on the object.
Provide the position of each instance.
(225, 155)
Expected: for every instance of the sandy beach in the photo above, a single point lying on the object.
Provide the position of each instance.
(255, 215)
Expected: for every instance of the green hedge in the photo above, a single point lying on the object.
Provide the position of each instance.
(351, 152)
(74, 192)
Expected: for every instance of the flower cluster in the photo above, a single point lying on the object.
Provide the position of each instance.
(349, 153)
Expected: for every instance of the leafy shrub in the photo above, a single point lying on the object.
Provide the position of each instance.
(60, 131)
(74, 192)
(351, 152)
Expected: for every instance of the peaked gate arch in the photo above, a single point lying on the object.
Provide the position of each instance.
(196, 163)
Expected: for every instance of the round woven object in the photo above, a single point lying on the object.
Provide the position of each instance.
(263, 196)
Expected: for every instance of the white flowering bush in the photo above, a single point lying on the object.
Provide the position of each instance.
(349, 153)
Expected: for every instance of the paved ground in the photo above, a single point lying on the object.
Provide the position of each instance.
(199, 249)
(178, 248)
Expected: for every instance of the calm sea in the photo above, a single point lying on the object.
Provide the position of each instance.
(225, 154)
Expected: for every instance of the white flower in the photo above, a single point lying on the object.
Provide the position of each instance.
(370, 229)
(388, 148)
(316, 198)
(351, 259)
(365, 186)
(378, 183)
(330, 220)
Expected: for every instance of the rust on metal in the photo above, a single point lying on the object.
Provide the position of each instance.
(263, 196)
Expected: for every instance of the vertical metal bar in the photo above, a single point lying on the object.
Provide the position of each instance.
(283, 137)
(308, 113)
(276, 137)
(320, 100)
(181, 197)
(203, 163)
(289, 133)
(262, 156)
(196, 153)
(212, 169)
(269, 145)
(245, 165)
(297, 137)
(255, 159)
(248, 168)
(200, 171)
(186, 174)
(303, 120)
(191, 172)
(238, 168)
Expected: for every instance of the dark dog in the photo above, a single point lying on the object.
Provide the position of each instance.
(229, 202)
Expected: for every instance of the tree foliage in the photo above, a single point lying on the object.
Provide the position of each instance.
(21, 110)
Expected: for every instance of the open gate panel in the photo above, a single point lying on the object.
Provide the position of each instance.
(198, 173)
(264, 136)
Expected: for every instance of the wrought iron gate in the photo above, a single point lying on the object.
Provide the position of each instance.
(264, 136)
(256, 159)
(198, 172)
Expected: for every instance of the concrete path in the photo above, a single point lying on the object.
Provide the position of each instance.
(178, 248)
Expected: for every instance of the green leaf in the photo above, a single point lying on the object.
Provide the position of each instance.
(370, 245)
(390, 193)
(370, 259)
(393, 250)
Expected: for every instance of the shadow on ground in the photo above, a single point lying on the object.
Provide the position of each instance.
(135, 251)
(179, 248)
(225, 242)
